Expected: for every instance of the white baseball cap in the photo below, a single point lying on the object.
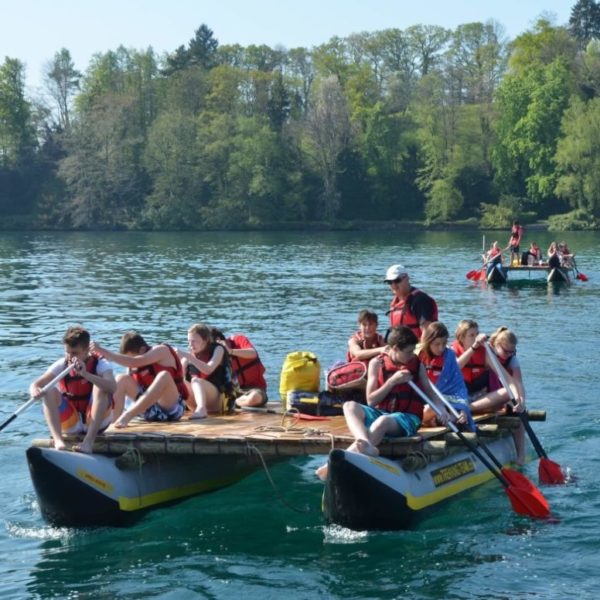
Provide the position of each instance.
(395, 272)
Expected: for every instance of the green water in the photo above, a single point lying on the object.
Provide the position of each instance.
(294, 292)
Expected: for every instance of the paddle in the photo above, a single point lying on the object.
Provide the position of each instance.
(512, 476)
(33, 400)
(580, 276)
(524, 501)
(548, 470)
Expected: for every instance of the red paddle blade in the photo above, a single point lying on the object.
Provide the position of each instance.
(471, 274)
(582, 277)
(550, 472)
(482, 275)
(527, 503)
(519, 480)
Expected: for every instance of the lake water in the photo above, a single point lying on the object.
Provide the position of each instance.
(295, 291)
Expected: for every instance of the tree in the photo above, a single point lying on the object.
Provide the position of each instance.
(578, 156)
(328, 128)
(62, 81)
(17, 141)
(584, 22)
(201, 51)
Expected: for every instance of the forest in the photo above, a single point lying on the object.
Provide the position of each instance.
(423, 125)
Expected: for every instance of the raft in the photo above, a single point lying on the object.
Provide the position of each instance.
(500, 274)
(147, 465)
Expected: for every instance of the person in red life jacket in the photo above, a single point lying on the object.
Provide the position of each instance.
(493, 255)
(82, 401)
(247, 369)
(206, 371)
(472, 357)
(154, 380)
(514, 242)
(444, 372)
(503, 342)
(410, 307)
(366, 343)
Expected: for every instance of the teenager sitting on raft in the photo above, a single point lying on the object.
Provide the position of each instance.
(366, 343)
(154, 380)
(444, 372)
(393, 407)
(205, 369)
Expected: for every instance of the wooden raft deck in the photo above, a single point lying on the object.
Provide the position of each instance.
(273, 435)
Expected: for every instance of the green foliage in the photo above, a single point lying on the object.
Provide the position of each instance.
(496, 216)
(576, 220)
(444, 201)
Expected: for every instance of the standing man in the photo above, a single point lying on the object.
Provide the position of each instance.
(514, 242)
(410, 306)
(82, 401)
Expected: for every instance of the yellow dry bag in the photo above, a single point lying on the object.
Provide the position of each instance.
(301, 372)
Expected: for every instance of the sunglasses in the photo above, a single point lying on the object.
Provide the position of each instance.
(507, 352)
(397, 280)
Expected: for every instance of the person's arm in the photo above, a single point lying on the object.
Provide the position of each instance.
(105, 381)
(206, 368)
(425, 385)
(358, 353)
(463, 359)
(376, 394)
(35, 389)
(243, 353)
(154, 355)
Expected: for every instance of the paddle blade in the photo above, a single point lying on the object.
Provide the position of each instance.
(550, 472)
(582, 277)
(527, 503)
(472, 274)
(519, 480)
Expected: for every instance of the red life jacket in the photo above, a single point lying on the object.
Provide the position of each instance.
(475, 372)
(144, 376)
(433, 365)
(401, 312)
(401, 398)
(78, 389)
(248, 371)
(377, 342)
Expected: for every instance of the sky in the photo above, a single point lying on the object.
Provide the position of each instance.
(34, 30)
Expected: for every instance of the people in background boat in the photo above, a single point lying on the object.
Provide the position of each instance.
(533, 256)
(493, 255)
(366, 343)
(410, 307)
(154, 380)
(443, 371)
(566, 257)
(514, 242)
(553, 256)
(82, 401)
(247, 368)
(206, 371)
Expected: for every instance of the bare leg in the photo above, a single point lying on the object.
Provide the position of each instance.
(100, 404)
(126, 386)
(51, 402)
(491, 402)
(251, 398)
(206, 397)
(162, 391)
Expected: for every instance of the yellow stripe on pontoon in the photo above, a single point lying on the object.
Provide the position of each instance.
(139, 502)
(420, 502)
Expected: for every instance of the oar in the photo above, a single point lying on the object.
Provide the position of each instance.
(33, 400)
(524, 501)
(548, 470)
(512, 476)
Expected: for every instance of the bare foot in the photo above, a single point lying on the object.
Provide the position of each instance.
(199, 414)
(84, 448)
(122, 421)
(365, 447)
(322, 471)
(59, 445)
